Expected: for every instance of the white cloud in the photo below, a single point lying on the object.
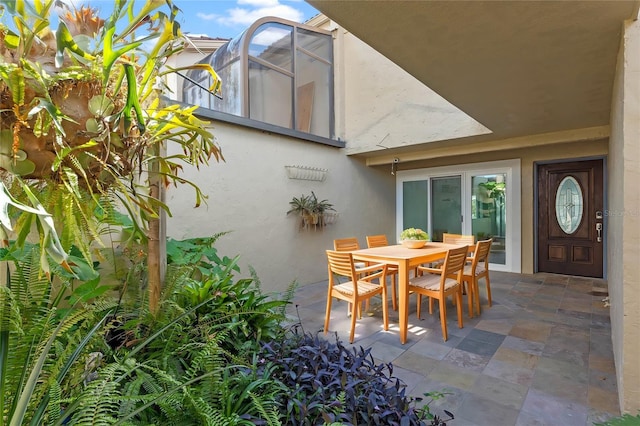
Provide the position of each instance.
(246, 17)
(207, 16)
(259, 3)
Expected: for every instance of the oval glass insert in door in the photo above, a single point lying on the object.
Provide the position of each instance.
(569, 205)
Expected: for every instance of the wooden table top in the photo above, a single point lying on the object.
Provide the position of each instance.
(399, 252)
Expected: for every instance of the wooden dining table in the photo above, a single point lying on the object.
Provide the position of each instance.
(406, 259)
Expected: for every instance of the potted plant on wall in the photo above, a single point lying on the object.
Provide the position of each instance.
(310, 209)
(318, 209)
(300, 206)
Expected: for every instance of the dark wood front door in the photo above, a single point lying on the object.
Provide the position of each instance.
(570, 218)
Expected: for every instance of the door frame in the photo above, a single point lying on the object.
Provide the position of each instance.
(536, 206)
(514, 205)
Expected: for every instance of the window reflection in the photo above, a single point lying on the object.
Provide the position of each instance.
(489, 213)
(280, 79)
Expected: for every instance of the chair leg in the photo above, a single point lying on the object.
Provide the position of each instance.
(328, 314)
(476, 292)
(385, 308)
(353, 321)
(431, 306)
(470, 297)
(419, 305)
(488, 288)
(459, 297)
(443, 316)
(394, 296)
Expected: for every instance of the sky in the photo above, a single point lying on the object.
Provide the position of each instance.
(221, 18)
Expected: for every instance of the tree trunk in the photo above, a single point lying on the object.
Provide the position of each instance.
(153, 261)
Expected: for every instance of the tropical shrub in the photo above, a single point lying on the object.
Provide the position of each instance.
(194, 362)
(47, 328)
(82, 119)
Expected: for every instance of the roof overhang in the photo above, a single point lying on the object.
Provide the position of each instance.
(518, 67)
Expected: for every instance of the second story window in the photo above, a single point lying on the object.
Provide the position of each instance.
(278, 72)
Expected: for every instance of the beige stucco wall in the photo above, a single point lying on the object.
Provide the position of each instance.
(381, 106)
(624, 220)
(249, 195)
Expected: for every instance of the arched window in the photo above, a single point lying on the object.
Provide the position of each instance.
(277, 72)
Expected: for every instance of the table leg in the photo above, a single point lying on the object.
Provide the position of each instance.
(403, 301)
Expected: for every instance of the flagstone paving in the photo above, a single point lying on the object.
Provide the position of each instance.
(541, 355)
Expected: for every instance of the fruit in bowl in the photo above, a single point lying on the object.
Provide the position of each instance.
(414, 238)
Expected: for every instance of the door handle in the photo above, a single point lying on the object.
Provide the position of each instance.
(599, 230)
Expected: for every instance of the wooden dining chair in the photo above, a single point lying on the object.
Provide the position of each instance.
(439, 283)
(381, 241)
(359, 288)
(348, 244)
(477, 267)
(469, 240)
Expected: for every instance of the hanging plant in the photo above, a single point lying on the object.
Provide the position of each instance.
(84, 99)
(81, 109)
(311, 210)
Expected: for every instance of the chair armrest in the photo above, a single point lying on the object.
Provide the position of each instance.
(370, 268)
(429, 270)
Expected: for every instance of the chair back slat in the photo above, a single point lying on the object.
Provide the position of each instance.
(346, 244)
(377, 241)
(482, 253)
(341, 263)
(458, 239)
(455, 260)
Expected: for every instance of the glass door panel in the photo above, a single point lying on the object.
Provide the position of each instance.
(414, 204)
(446, 208)
(489, 213)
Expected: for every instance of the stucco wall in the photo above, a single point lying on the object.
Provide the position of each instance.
(624, 220)
(385, 107)
(249, 195)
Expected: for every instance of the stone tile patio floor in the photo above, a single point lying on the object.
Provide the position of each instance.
(541, 355)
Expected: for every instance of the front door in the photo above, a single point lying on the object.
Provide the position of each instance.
(570, 218)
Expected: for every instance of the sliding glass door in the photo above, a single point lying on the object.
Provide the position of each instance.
(446, 206)
(415, 209)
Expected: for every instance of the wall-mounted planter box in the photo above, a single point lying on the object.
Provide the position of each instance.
(306, 173)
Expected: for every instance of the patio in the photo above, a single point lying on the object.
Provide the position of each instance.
(541, 355)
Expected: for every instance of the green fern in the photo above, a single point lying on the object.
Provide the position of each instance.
(100, 400)
(54, 407)
(38, 341)
(267, 410)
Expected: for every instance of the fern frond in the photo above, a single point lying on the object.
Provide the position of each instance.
(10, 313)
(54, 408)
(31, 287)
(268, 410)
(99, 402)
